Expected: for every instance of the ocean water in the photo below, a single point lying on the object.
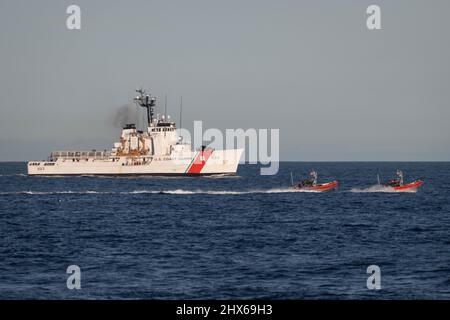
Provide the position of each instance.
(247, 236)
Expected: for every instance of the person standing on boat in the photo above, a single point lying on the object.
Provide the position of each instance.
(400, 177)
(314, 175)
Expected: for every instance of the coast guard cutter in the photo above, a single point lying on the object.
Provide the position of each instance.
(159, 150)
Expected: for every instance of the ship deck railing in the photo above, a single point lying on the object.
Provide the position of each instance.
(80, 154)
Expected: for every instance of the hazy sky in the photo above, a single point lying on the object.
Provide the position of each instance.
(336, 90)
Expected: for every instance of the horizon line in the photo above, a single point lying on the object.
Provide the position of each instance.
(306, 161)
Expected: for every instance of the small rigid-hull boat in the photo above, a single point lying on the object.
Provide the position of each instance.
(318, 187)
(399, 186)
(408, 187)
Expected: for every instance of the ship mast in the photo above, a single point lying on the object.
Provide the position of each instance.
(146, 101)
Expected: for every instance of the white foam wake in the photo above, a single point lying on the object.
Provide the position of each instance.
(380, 188)
(173, 192)
(52, 192)
(212, 192)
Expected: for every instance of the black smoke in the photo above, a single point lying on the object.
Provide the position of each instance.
(124, 115)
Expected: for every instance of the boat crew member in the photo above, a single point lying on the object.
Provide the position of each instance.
(313, 174)
(400, 177)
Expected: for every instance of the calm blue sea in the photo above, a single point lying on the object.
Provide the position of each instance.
(226, 237)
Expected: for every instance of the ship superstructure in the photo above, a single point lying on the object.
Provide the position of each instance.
(159, 150)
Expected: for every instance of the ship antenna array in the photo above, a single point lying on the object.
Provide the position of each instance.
(165, 107)
(181, 116)
(146, 101)
(181, 112)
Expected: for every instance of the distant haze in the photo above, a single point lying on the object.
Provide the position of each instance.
(336, 90)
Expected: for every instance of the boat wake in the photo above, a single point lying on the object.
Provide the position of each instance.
(14, 175)
(379, 188)
(227, 192)
(166, 192)
(51, 192)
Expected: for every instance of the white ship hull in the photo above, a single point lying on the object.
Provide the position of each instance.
(207, 162)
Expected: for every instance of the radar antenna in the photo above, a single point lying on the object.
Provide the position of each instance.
(146, 101)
